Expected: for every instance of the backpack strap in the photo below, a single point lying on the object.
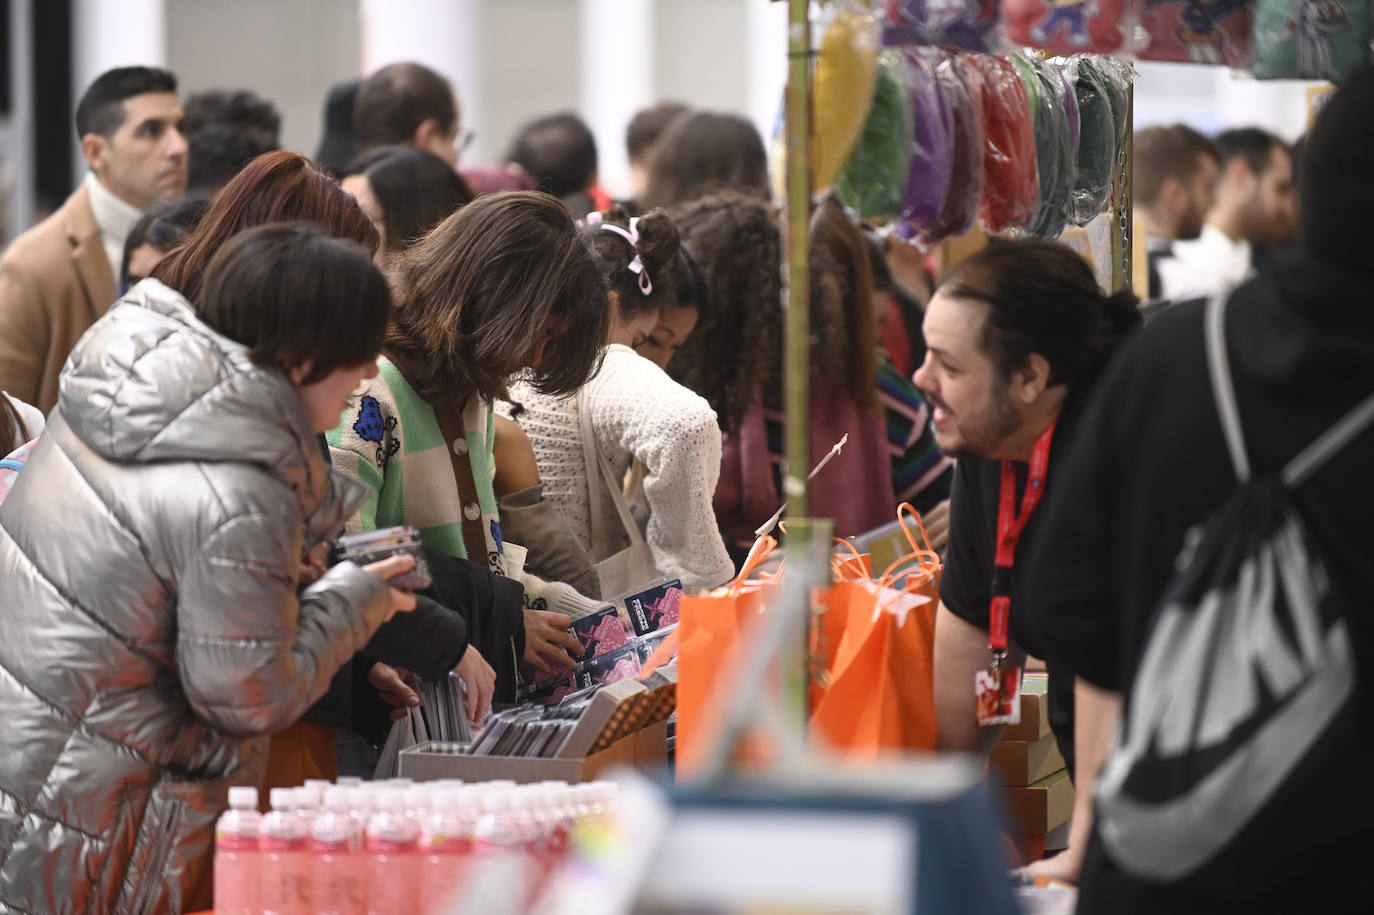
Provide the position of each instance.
(1223, 390)
(1311, 458)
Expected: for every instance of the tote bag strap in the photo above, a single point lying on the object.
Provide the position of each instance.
(600, 474)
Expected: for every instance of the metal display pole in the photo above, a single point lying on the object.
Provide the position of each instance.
(796, 287)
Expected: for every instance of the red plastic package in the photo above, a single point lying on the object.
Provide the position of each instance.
(1067, 26)
(1011, 183)
(1197, 31)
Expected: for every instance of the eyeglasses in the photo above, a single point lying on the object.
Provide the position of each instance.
(463, 139)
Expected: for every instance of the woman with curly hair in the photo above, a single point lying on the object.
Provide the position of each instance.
(734, 360)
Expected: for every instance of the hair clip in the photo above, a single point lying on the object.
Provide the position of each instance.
(631, 235)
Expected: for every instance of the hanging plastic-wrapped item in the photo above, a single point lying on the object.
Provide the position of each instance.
(932, 149)
(1011, 185)
(1067, 26)
(1310, 39)
(1196, 31)
(1096, 158)
(971, 25)
(846, 69)
(1117, 75)
(875, 178)
(960, 83)
(1054, 143)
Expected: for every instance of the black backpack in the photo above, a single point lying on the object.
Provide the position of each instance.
(1241, 736)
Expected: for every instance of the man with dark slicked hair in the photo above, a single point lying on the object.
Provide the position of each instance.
(59, 277)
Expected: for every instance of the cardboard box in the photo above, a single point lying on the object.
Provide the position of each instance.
(1035, 709)
(1018, 763)
(648, 747)
(626, 724)
(1039, 808)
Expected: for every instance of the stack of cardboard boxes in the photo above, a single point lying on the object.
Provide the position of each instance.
(1027, 775)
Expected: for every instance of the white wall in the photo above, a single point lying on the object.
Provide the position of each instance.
(1212, 99)
(513, 60)
(288, 51)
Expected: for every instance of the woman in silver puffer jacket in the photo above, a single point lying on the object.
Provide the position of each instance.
(152, 633)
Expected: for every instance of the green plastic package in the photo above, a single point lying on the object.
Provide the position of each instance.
(1054, 149)
(874, 179)
(1097, 140)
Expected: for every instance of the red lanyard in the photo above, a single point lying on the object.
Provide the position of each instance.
(1010, 524)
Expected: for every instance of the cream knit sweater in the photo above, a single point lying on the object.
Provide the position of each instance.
(637, 411)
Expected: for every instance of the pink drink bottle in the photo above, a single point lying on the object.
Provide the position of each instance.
(339, 882)
(284, 858)
(391, 846)
(446, 851)
(236, 854)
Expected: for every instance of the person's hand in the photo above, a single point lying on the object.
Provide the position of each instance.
(548, 643)
(390, 567)
(313, 565)
(936, 522)
(1065, 866)
(480, 680)
(396, 686)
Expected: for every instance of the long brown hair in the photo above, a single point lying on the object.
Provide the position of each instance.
(843, 325)
(13, 431)
(278, 186)
(495, 282)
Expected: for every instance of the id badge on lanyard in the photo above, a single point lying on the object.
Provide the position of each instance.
(997, 689)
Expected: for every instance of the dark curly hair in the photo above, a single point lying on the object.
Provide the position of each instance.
(738, 345)
(844, 328)
(659, 250)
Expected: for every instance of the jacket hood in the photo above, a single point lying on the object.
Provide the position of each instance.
(151, 382)
(1309, 326)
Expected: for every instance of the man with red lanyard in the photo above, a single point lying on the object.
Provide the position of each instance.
(1016, 335)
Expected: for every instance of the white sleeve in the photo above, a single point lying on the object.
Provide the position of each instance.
(636, 409)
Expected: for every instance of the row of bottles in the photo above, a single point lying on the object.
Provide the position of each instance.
(386, 848)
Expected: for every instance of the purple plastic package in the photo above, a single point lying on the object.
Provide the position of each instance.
(600, 633)
(622, 664)
(655, 608)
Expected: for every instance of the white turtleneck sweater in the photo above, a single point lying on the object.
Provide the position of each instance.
(115, 217)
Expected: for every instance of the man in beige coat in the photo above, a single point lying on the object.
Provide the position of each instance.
(60, 276)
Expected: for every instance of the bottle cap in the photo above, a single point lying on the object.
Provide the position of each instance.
(338, 799)
(419, 797)
(282, 798)
(390, 799)
(243, 797)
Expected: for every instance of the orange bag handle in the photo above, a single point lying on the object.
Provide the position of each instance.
(758, 554)
(924, 543)
(837, 563)
(921, 552)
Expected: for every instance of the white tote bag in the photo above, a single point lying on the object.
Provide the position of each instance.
(631, 565)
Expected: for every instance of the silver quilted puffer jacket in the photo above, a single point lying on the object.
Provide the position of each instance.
(151, 634)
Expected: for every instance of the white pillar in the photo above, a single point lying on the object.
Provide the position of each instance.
(444, 35)
(618, 80)
(107, 35)
(767, 26)
(19, 127)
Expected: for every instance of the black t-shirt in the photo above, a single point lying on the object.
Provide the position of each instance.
(1150, 463)
(966, 583)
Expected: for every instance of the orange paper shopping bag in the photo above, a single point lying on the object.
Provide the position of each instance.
(713, 629)
(875, 641)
